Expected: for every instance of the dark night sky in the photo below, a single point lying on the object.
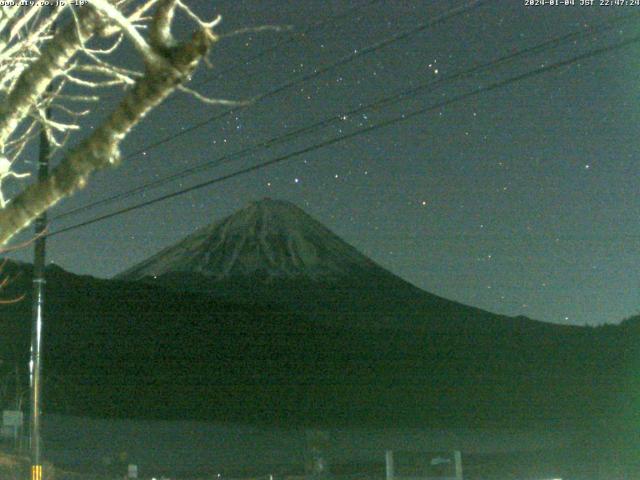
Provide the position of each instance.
(521, 200)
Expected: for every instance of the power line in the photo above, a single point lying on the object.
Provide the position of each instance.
(377, 126)
(452, 13)
(404, 94)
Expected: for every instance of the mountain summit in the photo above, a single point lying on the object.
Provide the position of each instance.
(268, 239)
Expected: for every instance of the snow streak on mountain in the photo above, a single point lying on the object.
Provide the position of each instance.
(269, 239)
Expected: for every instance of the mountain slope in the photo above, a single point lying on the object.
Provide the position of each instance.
(276, 254)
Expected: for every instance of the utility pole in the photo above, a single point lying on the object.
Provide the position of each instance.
(39, 281)
(37, 315)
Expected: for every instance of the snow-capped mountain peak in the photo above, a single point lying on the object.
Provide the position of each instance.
(268, 239)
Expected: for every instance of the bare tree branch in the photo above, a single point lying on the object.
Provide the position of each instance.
(129, 30)
(101, 148)
(34, 81)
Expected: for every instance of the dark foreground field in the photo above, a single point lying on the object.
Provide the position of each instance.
(102, 449)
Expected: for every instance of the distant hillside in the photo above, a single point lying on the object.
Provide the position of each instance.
(134, 350)
(267, 316)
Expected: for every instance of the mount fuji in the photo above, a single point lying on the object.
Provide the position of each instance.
(275, 253)
(268, 316)
(268, 240)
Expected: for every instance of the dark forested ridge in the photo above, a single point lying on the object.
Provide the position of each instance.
(267, 316)
(132, 349)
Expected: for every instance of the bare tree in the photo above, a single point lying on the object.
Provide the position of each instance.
(41, 70)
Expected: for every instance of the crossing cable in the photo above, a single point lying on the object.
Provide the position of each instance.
(402, 95)
(452, 13)
(402, 118)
